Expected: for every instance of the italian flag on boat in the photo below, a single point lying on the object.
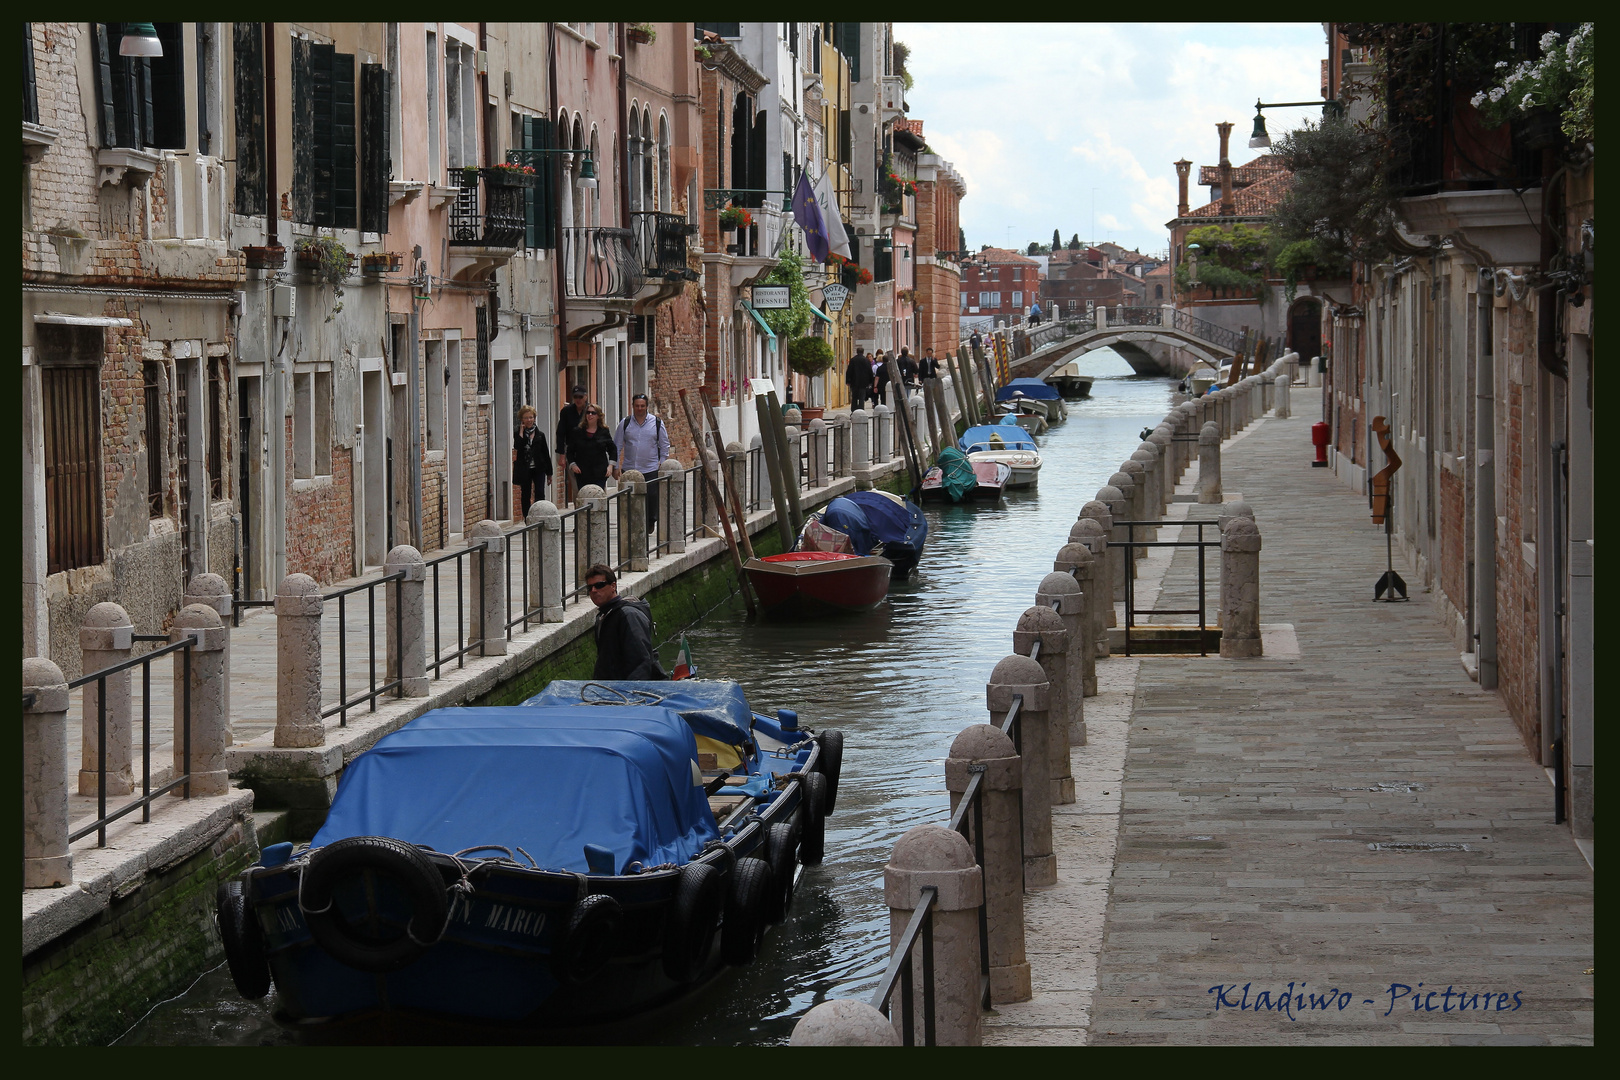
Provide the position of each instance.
(684, 668)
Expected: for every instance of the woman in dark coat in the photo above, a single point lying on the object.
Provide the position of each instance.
(531, 458)
(591, 452)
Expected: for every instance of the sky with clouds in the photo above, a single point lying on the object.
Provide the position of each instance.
(1037, 115)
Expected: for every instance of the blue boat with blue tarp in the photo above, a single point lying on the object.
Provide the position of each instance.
(601, 850)
(878, 523)
(1007, 443)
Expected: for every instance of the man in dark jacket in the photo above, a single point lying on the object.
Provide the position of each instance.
(928, 366)
(568, 418)
(908, 367)
(624, 648)
(858, 377)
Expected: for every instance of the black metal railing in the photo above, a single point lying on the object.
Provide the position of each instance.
(1204, 330)
(921, 927)
(462, 646)
(1131, 544)
(598, 262)
(373, 690)
(968, 820)
(183, 780)
(660, 241)
(500, 221)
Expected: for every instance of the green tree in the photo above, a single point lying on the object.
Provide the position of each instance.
(1057, 240)
(1074, 242)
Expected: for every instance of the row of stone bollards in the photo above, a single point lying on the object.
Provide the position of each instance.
(977, 877)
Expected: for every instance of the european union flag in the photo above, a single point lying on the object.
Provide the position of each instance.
(807, 212)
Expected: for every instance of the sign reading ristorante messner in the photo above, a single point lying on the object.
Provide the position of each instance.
(772, 297)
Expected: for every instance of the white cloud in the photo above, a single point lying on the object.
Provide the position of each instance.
(1035, 115)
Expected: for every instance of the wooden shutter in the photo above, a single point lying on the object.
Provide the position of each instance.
(166, 90)
(101, 50)
(72, 400)
(539, 136)
(345, 149)
(30, 95)
(248, 54)
(303, 133)
(374, 148)
(849, 43)
(756, 157)
(322, 156)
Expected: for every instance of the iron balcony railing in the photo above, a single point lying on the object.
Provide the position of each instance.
(660, 241)
(488, 208)
(599, 262)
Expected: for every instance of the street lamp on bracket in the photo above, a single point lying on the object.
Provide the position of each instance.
(1331, 110)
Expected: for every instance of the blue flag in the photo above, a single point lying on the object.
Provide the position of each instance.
(807, 212)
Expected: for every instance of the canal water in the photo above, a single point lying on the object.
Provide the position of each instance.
(900, 682)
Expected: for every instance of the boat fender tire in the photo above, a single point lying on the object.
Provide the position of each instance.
(831, 764)
(593, 926)
(243, 938)
(812, 819)
(405, 864)
(780, 850)
(744, 927)
(691, 920)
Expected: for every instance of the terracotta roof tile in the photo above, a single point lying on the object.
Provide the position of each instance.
(1256, 200)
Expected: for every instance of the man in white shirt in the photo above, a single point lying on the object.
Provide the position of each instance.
(643, 443)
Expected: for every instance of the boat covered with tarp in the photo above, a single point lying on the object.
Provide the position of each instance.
(1007, 443)
(953, 477)
(598, 851)
(879, 523)
(1033, 395)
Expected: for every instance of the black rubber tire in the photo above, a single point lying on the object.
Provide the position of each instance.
(781, 855)
(408, 866)
(586, 944)
(831, 765)
(243, 938)
(744, 927)
(812, 818)
(690, 922)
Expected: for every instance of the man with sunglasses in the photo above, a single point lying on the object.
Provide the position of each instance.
(624, 648)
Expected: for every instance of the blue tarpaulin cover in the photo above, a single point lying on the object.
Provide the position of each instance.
(1030, 388)
(549, 780)
(1011, 435)
(716, 708)
(893, 521)
(850, 519)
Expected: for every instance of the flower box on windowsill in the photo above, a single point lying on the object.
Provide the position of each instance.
(385, 262)
(502, 176)
(265, 258)
(640, 35)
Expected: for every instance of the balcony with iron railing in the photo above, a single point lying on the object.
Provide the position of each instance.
(661, 244)
(487, 218)
(600, 262)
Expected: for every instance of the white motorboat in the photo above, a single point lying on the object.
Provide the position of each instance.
(1069, 382)
(1008, 444)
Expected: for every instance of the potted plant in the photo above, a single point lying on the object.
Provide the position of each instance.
(642, 33)
(733, 218)
(265, 258)
(810, 357)
(381, 262)
(324, 258)
(510, 174)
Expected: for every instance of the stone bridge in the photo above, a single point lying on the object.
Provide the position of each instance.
(1154, 341)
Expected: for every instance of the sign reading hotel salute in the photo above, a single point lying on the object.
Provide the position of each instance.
(836, 295)
(772, 297)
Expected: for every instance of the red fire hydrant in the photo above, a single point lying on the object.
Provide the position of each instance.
(1320, 437)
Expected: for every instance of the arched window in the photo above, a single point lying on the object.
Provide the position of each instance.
(648, 199)
(596, 192)
(632, 153)
(666, 197)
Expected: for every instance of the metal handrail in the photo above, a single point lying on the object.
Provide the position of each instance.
(182, 781)
(597, 262)
(1219, 336)
(973, 799)
(922, 923)
(459, 654)
(1131, 544)
(344, 704)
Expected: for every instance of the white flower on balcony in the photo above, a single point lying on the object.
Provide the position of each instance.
(1498, 93)
(1548, 40)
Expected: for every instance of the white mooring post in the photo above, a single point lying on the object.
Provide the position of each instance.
(487, 574)
(1209, 463)
(298, 662)
(407, 646)
(1240, 589)
(209, 729)
(47, 862)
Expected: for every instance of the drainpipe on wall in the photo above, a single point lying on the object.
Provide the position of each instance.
(275, 432)
(1485, 486)
(559, 176)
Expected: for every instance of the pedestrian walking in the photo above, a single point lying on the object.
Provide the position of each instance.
(591, 453)
(858, 377)
(623, 630)
(928, 366)
(568, 418)
(643, 444)
(531, 458)
(880, 379)
(908, 367)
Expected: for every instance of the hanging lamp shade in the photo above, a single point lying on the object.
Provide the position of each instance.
(587, 173)
(140, 39)
(1259, 138)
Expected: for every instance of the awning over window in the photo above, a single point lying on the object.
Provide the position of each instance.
(763, 325)
(822, 315)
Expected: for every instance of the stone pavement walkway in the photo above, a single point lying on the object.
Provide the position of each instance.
(1359, 820)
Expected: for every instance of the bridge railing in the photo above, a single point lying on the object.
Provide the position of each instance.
(1204, 330)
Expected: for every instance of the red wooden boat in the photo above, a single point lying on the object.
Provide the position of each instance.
(818, 582)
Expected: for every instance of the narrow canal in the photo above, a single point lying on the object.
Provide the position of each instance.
(900, 682)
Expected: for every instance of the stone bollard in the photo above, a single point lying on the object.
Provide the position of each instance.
(486, 623)
(860, 458)
(298, 662)
(1240, 589)
(1232, 510)
(737, 474)
(934, 855)
(210, 730)
(882, 433)
(545, 557)
(1075, 563)
(1282, 385)
(210, 590)
(1162, 438)
(47, 862)
(1019, 675)
(1152, 492)
(843, 453)
(1093, 578)
(1209, 463)
(844, 1022)
(106, 638)
(985, 751)
(672, 506)
(1313, 372)
(919, 417)
(818, 453)
(1113, 498)
(1268, 386)
(633, 525)
(1135, 510)
(407, 646)
(1046, 626)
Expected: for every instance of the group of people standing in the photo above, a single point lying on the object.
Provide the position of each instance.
(867, 376)
(587, 453)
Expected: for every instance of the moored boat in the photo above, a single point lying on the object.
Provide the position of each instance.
(955, 478)
(801, 583)
(1034, 395)
(1008, 444)
(1069, 382)
(597, 852)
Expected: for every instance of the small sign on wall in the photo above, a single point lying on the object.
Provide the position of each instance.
(772, 297)
(835, 295)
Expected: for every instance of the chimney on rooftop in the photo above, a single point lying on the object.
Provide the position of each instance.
(1227, 207)
(1183, 167)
